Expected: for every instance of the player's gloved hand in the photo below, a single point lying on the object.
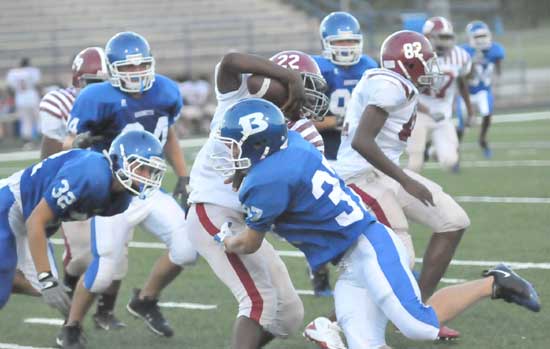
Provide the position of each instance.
(236, 179)
(87, 139)
(180, 192)
(419, 191)
(224, 232)
(296, 97)
(54, 293)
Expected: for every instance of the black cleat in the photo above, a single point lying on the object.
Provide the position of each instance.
(107, 321)
(71, 337)
(513, 288)
(321, 283)
(148, 310)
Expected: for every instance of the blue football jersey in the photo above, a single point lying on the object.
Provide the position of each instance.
(483, 65)
(308, 205)
(104, 109)
(76, 184)
(341, 81)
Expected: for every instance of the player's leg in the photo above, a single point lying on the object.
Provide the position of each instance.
(448, 222)
(108, 238)
(8, 250)
(485, 110)
(378, 193)
(77, 255)
(459, 112)
(362, 321)
(416, 143)
(247, 276)
(166, 220)
(446, 144)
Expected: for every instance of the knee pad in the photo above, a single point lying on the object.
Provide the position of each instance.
(99, 275)
(292, 314)
(77, 264)
(182, 252)
(456, 217)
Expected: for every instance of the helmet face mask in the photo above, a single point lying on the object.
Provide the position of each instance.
(441, 34)
(411, 55)
(315, 85)
(126, 52)
(137, 162)
(89, 66)
(252, 129)
(341, 38)
(479, 35)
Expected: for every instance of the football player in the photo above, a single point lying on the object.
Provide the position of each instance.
(68, 186)
(342, 63)
(135, 98)
(312, 208)
(486, 61)
(435, 105)
(268, 303)
(89, 66)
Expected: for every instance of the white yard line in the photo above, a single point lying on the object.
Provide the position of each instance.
(299, 254)
(184, 305)
(502, 200)
(44, 321)
(17, 346)
(493, 163)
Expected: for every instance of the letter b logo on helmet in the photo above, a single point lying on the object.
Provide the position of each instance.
(253, 123)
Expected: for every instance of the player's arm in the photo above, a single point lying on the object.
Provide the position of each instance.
(330, 122)
(49, 146)
(246, 242)
(465, 94)
(36, 230)
(175, 157)
(364, 142)
(234, 64)
(52, 290)
(498, 67)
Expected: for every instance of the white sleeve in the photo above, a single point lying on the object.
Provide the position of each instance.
(240, 92)
(385, 94)
(53, 127)
(467, 65)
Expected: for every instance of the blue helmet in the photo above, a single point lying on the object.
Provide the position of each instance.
(479, 35)
(251, 130)
(130, 49)
(336, 27)
(129, 152)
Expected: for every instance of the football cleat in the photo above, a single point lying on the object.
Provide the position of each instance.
(512, 288)
(324, 333)
(447, 334)
(487, 152)
(107, 321)
(148, 310)
(321, 283)
(71, 337)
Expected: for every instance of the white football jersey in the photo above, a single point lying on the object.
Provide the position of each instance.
(55, 108)
(398, 97)
(454, 64)
(207, 184)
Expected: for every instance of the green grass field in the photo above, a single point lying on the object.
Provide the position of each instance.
(499, 232)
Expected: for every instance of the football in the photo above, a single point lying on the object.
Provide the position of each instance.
(270, 89)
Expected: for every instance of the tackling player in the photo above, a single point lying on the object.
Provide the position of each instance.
(312, 208)
(435, 107)
(486, 61)
(268, 303)
(135, 98)
(68, 186)
(342, 63)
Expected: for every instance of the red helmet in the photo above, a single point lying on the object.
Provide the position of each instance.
(89, 65)
(440, 32)
(410, 54)
(316, 105)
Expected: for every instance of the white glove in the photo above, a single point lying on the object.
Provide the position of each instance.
(54, 293)
(224, 232)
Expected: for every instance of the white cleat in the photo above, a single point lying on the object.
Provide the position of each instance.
(324, 333)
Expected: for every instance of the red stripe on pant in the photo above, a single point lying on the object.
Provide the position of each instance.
(238, 266)
(372, 203)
